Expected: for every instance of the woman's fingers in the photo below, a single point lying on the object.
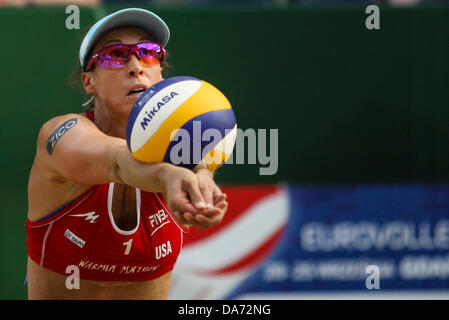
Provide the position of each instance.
(207, 193)
(197, 200)
(222, 205)
(180, 202)
(203, 222)
(180, 219)
(210, 217)
(193, 190)
(207, 185)
(220, 197)
(188, 217)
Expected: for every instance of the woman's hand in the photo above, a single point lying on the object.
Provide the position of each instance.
(215, 201)
(181, 191)
(193, 197)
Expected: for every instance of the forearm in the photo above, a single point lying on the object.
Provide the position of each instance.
(146, 176)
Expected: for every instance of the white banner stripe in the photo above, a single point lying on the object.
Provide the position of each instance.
(240, 238)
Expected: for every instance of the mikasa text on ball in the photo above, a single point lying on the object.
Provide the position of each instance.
(183, 121)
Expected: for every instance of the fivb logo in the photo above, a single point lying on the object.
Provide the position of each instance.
(157, 218)
(180, 153)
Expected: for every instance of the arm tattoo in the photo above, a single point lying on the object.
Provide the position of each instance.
(58, 133)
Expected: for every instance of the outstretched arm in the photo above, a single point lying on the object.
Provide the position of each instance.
(72, 148)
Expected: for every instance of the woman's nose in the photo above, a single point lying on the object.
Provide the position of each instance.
(134, 68)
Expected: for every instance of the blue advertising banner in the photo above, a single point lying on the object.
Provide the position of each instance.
(350, 241)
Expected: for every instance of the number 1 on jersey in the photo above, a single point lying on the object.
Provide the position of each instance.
(128, 245)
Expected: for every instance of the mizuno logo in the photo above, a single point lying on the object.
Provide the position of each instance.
(90, 216)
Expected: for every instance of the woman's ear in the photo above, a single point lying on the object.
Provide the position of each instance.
(88, 82)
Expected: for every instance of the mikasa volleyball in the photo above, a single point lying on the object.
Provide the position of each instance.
(184, 121)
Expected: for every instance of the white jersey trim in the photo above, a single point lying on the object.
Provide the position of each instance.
(111, 217)
(44, 244)
(63, 215)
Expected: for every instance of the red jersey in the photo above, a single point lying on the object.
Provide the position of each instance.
(83, 233)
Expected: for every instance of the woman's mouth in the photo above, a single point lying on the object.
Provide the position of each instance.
(137, 92)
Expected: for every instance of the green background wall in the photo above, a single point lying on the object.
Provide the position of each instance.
(351, 105)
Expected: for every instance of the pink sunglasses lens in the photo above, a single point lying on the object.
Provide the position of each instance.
(113, 57)
(116, 56)
(150, 54)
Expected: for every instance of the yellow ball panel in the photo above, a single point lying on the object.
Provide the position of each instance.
(206, 99)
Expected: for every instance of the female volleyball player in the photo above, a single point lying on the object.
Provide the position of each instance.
(102, 225)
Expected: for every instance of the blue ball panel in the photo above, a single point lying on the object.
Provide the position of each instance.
(220, 120)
